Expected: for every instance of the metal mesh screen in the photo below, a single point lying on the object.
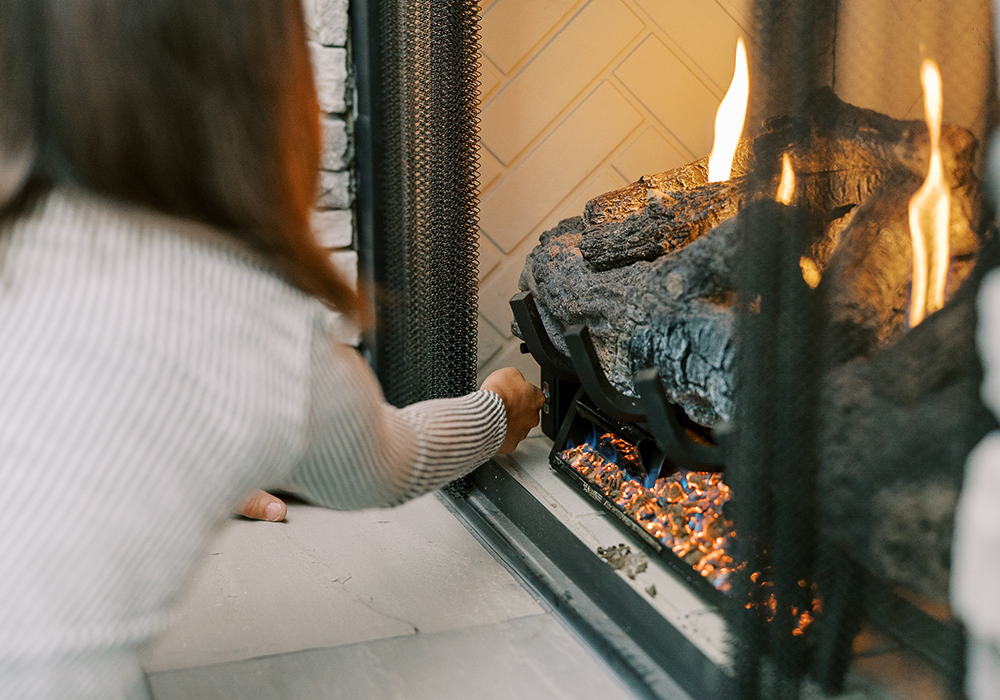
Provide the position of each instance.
(426, 242)
(869, 53)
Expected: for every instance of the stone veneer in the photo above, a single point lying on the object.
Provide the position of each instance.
(333, 218)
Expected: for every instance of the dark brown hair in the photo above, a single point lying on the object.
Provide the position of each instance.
(203, 109)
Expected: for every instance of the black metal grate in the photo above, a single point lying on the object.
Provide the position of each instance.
(426, 238)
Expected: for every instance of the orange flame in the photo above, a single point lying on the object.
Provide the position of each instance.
(786, 188)
(729, 119)
(930, 211)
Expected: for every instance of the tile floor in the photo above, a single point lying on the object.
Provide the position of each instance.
(400, 603)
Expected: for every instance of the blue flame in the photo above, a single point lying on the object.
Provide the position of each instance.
(652, 475)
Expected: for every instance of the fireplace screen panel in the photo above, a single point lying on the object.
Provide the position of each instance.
(779, 379)
(804, 321)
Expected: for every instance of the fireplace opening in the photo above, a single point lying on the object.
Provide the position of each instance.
(768, 379)
(798, 324)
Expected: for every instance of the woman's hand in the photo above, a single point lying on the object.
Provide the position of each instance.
(522, 400)
(260, 505)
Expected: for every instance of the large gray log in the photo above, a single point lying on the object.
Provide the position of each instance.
(655, 284)
(840, 154)
(672, 313)
(896, 432)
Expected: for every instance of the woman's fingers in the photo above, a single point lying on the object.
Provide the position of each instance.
(260, 505)
(522, 401)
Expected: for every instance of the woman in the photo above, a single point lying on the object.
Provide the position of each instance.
(162, 348)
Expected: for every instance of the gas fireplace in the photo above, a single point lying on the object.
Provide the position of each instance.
(775, 349)
(761, 364)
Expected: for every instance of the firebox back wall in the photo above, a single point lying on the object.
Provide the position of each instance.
(580, 97)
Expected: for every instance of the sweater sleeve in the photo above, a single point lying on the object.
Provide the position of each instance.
(362, 452)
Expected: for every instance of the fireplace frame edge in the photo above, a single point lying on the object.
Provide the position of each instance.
(550, 560)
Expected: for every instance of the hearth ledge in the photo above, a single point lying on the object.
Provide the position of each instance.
(541, 528)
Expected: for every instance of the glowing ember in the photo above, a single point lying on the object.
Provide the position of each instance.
(786, 188)
(682, 511)
(729, 119)
(929, 212)
(810, 272)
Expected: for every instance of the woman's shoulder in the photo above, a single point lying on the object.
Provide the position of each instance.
(75, 244)
(83, 218)
(90, 228)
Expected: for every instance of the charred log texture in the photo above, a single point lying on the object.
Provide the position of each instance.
(867, 280)
(619, 204)
(668, 221)
(841, 155)
(650, 269)
(896, 433)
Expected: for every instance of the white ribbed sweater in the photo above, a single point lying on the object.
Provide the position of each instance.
(152, 372)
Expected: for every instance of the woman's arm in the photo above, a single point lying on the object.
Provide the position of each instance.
(363, 452)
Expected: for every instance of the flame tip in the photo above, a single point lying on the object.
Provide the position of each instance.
(929, 210)
(729, 119)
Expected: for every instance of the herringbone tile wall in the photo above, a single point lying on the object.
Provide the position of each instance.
(581, 97)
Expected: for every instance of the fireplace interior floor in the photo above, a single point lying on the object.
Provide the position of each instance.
(376, 604)
(882, 669)
(595, 527)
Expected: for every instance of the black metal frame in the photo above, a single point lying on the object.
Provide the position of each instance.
(649, 408)
(628, 633)
(416, 76)
(368, 152)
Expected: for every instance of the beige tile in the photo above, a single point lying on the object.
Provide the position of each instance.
(704, 31)
(489, 342)
(965, 80)
(517, 204)
(334, 228)
(558, 74)
(330, 68)
(500, 285)
(512, 28)
(603, 180)
(326, 578)
(530, 658)
(510, 356)
(741, 11)
(327, 21)
(676, 98)
(649, 154)
(917, 32)
(895, 87)
(335, 141)
(489, 78)
(489, 168)
(489, 257)
(334, 190)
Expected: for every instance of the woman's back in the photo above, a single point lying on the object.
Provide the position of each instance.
(152, 372)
